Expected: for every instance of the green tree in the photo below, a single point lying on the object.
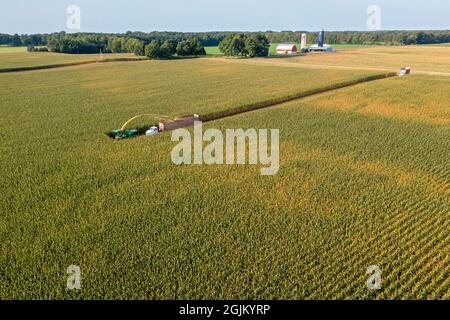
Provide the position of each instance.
(115, 44)
(257, 45)
(139, 48)
(190, 47)
(152, 50)
(234, 45)
(16, 41)
(170, 45)
(164, 52)
(135, 46)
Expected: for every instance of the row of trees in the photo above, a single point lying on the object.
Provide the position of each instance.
(372, 37)
(333, 37)
(77, 43)
(168, 48)
(93, 42)
(207, 39)
(239, 44)
(156, 48)
(16, 40)
(126, 45)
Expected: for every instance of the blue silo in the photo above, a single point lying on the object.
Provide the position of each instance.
(321, 38)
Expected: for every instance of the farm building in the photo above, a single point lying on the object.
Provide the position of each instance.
(287, 49)
(323, 48)
(303, 41)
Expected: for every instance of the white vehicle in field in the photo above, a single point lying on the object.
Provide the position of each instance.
(152, 131)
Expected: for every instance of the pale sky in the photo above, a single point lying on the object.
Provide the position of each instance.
(45, 16)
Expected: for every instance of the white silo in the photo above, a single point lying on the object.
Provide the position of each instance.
(303, 41)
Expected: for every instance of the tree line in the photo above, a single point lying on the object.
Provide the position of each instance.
(369, 37)
(235, 44)
(156, 49)
(252, 45)
(77, 43)
(169, 48)
(16, 40)
(93, 42)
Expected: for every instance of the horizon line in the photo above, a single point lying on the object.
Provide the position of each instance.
(228, 31)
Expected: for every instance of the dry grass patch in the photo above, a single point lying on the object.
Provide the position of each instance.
(420, 58)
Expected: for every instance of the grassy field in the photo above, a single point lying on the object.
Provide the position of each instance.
(213, 51)
(14, 57)
(363, 180)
